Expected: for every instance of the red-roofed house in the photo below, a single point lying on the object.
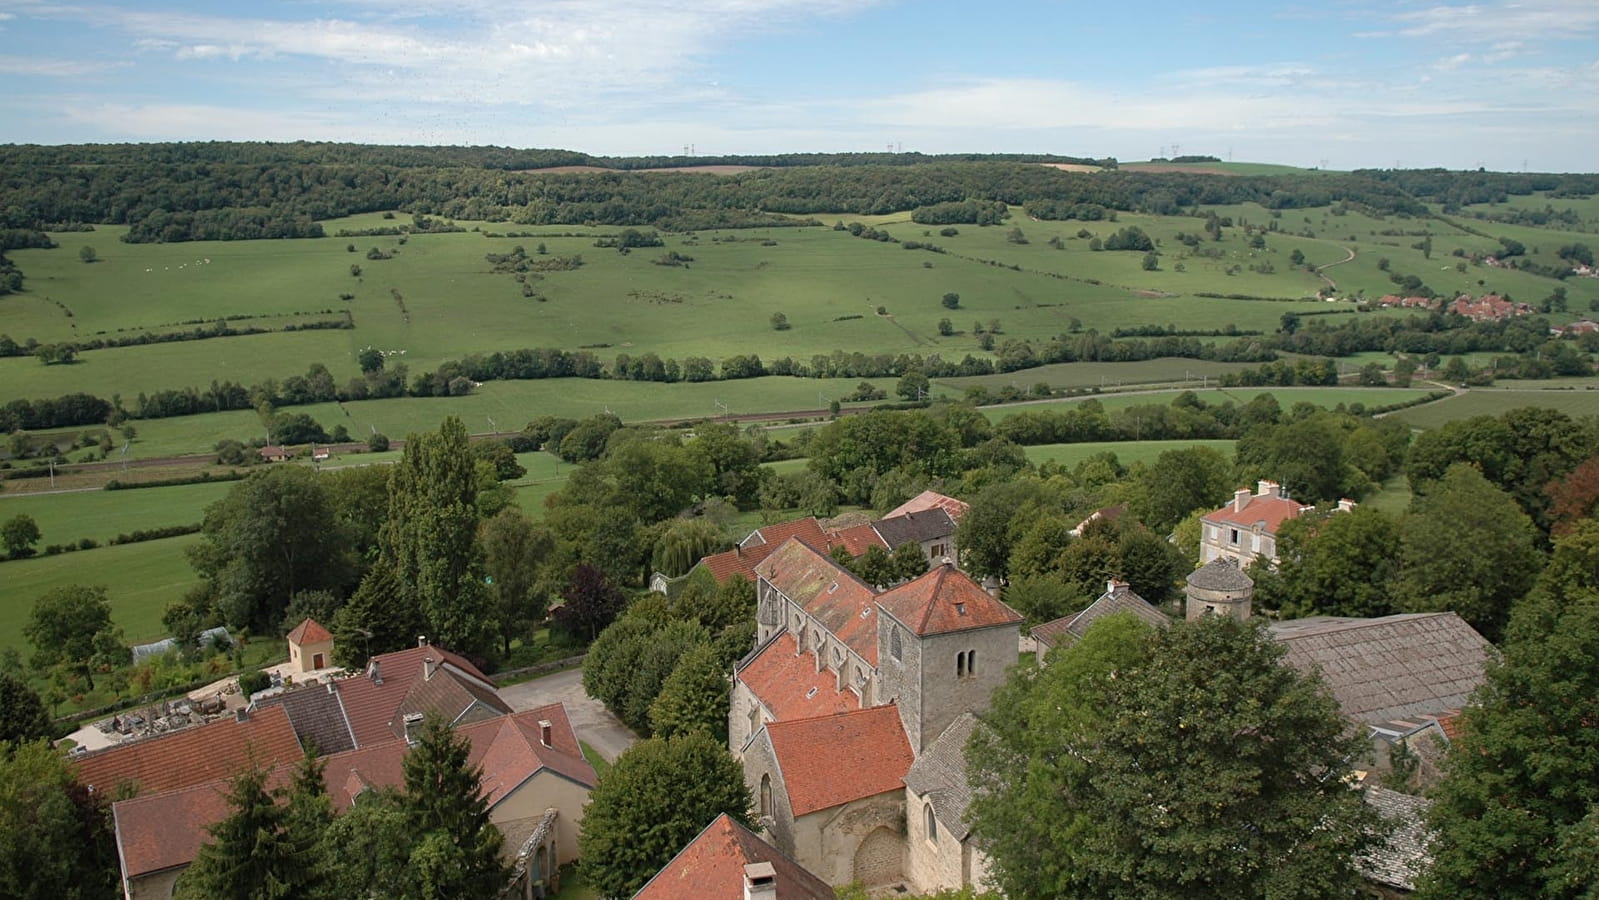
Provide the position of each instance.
(729, 862)
(1247, 526)
(845, 689)
(187, 757)
(831, 790)
(740, 562)
(531, 764)
(1488, 307)
(930, 500)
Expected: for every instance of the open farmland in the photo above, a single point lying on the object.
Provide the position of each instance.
(1326, 398)
(102, 515)
(140, 579)
(1494, 402)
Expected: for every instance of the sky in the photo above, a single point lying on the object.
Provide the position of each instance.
(1504, 84)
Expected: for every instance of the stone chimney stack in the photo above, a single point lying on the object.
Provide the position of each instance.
(373, 672)
(760, 881)
(429, 666)
(1240, 499)
(421, 640)
(1268, 489)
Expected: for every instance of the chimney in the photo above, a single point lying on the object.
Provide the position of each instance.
(544, 732)
(429, 666)
(421, 640)
(1240, 499)
(1112, 586)
(760, 881)
(372, 671)
(413, 725)
(1346, 505)
(1268, 489)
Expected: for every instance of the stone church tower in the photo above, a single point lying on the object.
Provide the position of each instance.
(1220, 588)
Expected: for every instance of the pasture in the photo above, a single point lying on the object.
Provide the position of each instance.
(1327, 398)
(1497, 401)
(102, 515)
(140, 579)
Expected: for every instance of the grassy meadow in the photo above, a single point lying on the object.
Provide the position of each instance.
(141, 579)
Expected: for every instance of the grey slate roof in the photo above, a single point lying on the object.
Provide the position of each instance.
(940, 775)
(1394, 667)
(915, 527)
(1399, 860)
(1220, 574)
(316, 713)
(1121, 598)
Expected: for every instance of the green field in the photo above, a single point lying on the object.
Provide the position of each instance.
(1127, 452)
(1327, 397)
(1068, 376)
(141, 580)
(718, 306)
(1494, 402)
(102, 515)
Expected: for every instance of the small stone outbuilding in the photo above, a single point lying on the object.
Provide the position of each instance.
(310, 647)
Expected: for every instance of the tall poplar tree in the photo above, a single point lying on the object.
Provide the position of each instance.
(427, 544)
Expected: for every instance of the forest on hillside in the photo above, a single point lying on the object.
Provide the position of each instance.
(227, 191)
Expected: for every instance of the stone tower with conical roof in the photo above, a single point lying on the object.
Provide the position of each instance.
(1220, 588)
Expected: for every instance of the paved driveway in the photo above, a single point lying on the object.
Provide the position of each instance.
(593, 723)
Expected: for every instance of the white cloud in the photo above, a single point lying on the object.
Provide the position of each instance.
(1495, 23)
(49, 68)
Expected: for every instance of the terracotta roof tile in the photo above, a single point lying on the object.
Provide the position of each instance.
(761, 543)
(856, 540)
(928, 500)
(945, 600)
(831, 760)
(164, 830)
(374, 704)
(788, 685)
(837, 599)
(711, 867)
(309, 632)
(1268, 512)
(191, 756)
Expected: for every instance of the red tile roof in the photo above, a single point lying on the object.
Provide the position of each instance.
(192, 756)
(789, 686)
(945, 600)
(837, 599)
(1269, 512)
(711, 867)
(761, 543)
(167, 829)
(309, 632)
(929, 500)
(374, 708)
(831, 760)
(856, 540)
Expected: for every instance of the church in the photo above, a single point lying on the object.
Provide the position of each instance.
(851, 714)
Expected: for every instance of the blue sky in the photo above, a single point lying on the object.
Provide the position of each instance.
(1491, 83)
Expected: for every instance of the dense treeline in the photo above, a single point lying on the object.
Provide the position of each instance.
(1457, 189)
(171, 192)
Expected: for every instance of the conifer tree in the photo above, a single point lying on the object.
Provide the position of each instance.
(456, 853)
